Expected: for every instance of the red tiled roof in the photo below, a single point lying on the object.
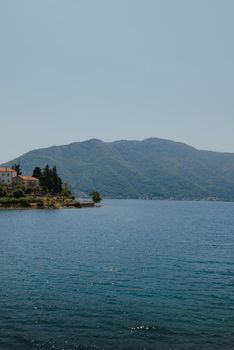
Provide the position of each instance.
(28, 178)
(9, 170)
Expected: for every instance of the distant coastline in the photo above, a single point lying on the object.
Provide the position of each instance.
(149, 169)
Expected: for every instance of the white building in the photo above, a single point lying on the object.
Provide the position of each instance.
(7, 175)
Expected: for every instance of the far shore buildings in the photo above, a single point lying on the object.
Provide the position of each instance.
(9, 176)
(27, 181)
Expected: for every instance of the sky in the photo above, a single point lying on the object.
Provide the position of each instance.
(72, 70)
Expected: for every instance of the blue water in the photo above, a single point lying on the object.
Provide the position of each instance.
(130, 275)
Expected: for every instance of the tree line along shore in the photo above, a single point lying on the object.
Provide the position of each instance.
(44, 189)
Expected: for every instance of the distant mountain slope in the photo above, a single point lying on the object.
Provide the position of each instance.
(152, 168)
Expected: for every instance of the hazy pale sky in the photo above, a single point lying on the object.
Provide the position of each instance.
(116, 69)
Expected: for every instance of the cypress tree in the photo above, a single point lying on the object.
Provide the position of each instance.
(56, 180)
(50, 181)
(46, 179)
(37, 172)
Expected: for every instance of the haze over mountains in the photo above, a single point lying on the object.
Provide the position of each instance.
(153, 168)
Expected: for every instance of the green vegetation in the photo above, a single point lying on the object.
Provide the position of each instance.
(50, 194)
(9, 202)
(96, 197)
(49, 180)
(152, 168)
(37, 172)
(53, 202)
(18, 193)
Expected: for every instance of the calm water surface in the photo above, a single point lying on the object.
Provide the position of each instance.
(130, 275)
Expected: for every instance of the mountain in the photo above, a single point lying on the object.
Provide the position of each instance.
(153, 168)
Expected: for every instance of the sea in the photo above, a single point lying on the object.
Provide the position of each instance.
(129, 275)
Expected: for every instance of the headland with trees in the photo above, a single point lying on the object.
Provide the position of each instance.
(44, 189)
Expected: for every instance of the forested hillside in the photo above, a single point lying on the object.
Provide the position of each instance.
(152, 168)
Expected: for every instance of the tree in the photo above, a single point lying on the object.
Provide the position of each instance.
(17, 168)
(37, 172)
(45, 180)
(3, 192)
(56, 181)
(50, 181)
(96, 197)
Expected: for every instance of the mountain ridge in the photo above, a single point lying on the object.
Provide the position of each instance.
(151, 168)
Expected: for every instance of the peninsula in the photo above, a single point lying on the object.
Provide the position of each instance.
(43, 189)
